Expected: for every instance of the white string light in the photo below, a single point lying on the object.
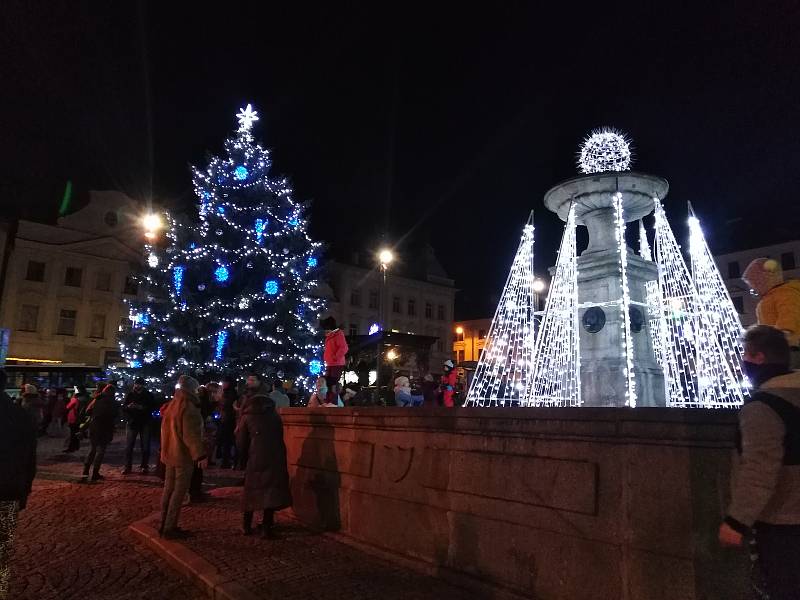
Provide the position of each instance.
(625, 303)
(503, 372)
(555, 378)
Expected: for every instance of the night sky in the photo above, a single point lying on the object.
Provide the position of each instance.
(443, 126)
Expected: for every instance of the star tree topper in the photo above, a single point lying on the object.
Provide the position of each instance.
(246, 118)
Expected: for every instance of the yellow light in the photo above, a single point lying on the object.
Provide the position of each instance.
(45, 361)
(459, 330)
(391, 354)
(151, 222)
(385, 257)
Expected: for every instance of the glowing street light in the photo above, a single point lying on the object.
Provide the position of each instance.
(539, 285)
(459, 330)
(391, 354)
(385, 257)
(152, 223)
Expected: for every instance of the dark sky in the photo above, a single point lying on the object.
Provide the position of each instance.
(439, 125)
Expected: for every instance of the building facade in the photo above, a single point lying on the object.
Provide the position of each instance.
(733, 264)
(65, 285)
(417, 298)
(469, 340)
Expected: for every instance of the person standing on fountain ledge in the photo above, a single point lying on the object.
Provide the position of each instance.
(779, 306)
(334, 356)
(765, 500)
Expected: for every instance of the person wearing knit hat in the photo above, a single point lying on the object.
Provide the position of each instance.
(779, 306)
(448, 383)
(182, 448)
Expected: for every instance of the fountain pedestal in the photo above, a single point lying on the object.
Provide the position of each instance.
(602, 348)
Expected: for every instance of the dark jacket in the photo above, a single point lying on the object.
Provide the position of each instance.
(765, 488)
(227, 411)
(104, 412)
(138, 408)
(260, 438)
(17, 451)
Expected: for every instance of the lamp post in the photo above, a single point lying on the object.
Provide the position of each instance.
(385, 258)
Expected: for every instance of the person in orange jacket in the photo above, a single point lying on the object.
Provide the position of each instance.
(448, 384)
(334, 356)
(779, 306)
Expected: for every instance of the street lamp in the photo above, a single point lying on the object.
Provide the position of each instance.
(385, 257)
(538, 287)
(391, 354)
(152, 223)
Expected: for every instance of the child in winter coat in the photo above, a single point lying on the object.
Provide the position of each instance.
(449, 380)
(335, 352)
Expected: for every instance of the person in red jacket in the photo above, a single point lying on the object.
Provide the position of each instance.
(449, 380)
(334, 356)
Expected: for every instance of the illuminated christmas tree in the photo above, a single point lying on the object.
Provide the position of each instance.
(230, 291)
(555, 379)
(504, 369)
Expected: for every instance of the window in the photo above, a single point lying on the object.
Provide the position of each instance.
(66, 322)
(353, 329)
(787, 261)
(738, 303)
(440, 312)
(28, 317)
(373, 298)
(73, 276)
(412, 307)
(131, 287)
(396, 304)
(103, 282)
(355, 298)
(111, 218)
(733, 270)
(35, 271)
(481, 334)
(428, 310)
(97, 327)
(459, 357)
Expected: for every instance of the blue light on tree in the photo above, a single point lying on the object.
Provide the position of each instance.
(135, 364)
(221, 274)
(221, 210)
(144, 319)
(159, 352)
(240, 173)
(222, 338)
(271, 287)
(293, 221)
(312, 262)
(315, 367)
(260, 228)
(177, 279)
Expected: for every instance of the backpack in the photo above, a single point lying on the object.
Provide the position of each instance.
(790, 415)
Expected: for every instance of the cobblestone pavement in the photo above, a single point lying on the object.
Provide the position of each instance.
(302, 564)
(73, 540)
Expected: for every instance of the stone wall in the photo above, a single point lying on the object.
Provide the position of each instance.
(553, 503)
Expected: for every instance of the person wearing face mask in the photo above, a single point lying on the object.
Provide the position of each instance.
(765, 499)
(779, 304)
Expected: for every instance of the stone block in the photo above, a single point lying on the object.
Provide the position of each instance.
(567, 485)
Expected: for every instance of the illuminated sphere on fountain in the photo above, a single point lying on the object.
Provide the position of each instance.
(604, 150)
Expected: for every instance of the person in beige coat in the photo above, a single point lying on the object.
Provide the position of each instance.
(182, 448)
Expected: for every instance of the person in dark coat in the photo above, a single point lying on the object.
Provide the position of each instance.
(227, 421)
(266, 477)
(138, 408)
(104, 412)
(17, 469)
